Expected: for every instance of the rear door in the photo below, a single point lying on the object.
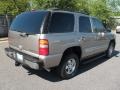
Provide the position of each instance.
(61, 33)
(87, 38)
(25, 30)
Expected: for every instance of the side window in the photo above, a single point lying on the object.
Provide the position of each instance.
(84, 24)
(97, 26)
(61, 22)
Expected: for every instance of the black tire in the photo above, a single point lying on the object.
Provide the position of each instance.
(109, 52)
(17, 63)
(62, 69)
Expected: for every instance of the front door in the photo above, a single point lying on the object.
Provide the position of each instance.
(86, 37)
(101, 35)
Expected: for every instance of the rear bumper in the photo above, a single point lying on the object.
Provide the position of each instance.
(34, 62)
(28, 60)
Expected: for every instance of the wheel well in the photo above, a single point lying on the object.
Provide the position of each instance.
(76, 50)
(113, 41)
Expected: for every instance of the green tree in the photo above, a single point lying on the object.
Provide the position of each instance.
(61, 4)
(83, 6)
(99, 8)
(13, 7)
(115, 5)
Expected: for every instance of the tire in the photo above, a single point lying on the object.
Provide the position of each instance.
(68, 66)
(17, 63)
(110, 50)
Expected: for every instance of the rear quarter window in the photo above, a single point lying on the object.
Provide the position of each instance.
(61, 23)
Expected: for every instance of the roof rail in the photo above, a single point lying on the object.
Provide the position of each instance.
(53, 9)
(82, 12)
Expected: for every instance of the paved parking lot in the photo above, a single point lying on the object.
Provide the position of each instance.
(101, 74)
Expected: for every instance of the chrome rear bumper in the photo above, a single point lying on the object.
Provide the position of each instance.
(28, 60)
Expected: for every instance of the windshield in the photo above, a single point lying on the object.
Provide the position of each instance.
(29, 22)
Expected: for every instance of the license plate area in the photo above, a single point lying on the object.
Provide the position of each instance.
(19, 57)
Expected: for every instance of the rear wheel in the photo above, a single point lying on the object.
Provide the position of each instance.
(68, 67)
(110, 50)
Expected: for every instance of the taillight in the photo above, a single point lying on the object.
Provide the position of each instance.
(43, 47)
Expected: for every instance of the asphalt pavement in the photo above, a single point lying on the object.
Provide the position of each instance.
(101, 74)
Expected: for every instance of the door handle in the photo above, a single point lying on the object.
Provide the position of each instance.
(83, 38)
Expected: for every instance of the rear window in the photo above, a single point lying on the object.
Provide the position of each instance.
(29, 22)
(61, 22)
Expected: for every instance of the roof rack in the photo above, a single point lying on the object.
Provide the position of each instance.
(53, 9)
(82, 12)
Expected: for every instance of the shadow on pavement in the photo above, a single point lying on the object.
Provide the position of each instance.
(53, 77)
(94, 63)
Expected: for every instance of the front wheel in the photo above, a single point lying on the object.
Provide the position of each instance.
(110, 50)
(68, 67)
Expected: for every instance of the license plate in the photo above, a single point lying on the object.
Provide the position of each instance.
(19, 57)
